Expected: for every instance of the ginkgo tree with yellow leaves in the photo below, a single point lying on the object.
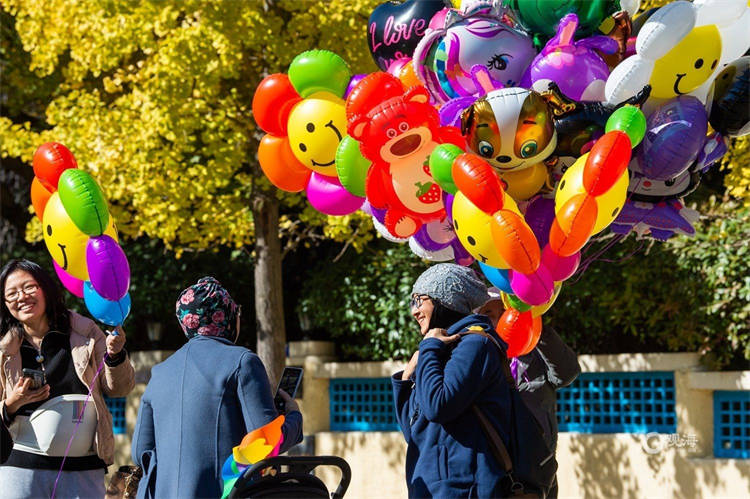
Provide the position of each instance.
(155, 100)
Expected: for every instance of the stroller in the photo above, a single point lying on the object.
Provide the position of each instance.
(296, 481)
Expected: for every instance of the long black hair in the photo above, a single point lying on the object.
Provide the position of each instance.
(57, 315)
(442, 316)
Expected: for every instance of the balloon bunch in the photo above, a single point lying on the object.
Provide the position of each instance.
(80, 234)
(255, 446)
(491, 227)
(504, 132)
(303, 113)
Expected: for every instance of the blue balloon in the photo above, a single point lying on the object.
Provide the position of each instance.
(111, 313)
(498, 277)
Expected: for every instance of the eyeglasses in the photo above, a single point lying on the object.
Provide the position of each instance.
(416, 300)
(15, 294)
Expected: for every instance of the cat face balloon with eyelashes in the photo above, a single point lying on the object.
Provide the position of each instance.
(479, 36)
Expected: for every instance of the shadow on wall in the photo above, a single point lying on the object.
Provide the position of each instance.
(629, 465)
(377, 460)
(607, 479)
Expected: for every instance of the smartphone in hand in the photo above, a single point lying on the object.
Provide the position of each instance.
(37, 377)
(290, 381)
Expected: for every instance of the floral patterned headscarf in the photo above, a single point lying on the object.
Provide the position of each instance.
(206, 309)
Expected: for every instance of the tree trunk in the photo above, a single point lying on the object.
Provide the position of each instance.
(269, 297)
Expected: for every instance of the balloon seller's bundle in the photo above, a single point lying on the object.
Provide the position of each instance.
(511, 133)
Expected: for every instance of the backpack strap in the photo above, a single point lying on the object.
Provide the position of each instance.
(499, 451)
(497, 446)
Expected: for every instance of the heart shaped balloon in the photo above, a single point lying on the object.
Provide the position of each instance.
(395, 28)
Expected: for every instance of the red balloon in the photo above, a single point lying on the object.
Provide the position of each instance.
(273, 101)
(371, 91)
(606, 163)
(50, 161)
(573, 225)
(476, 179)
(536, 333)
(515, 241)
(39, 197)
(516, 329)
(280, 165)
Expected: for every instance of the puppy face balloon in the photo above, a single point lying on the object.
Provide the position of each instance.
(512, 128)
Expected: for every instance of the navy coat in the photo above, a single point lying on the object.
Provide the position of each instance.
(448, 454)
(199, 404)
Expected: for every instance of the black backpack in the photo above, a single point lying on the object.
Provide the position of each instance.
(528, 461)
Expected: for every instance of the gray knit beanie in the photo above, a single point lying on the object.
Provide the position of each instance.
(455, 286)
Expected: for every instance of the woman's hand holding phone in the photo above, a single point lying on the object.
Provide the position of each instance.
(289, 403)
(23, 394)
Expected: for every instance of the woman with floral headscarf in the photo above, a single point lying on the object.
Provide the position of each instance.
(202, 400)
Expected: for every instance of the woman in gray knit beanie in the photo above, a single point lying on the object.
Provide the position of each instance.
(446, 293)
(453, 371)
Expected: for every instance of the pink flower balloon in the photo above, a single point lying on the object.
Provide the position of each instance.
(327, 195)
(560, 267)
(72, 284)
(534, 289)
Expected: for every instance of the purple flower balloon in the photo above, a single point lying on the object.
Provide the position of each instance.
(574, 65)
(460, 255)
(675, 134)
(448, 203)
(109, 272)
(353, 83)
(435, 236)
(539, 215)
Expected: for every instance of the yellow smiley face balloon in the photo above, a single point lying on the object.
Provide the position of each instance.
(65, 242)
(473, 230)
(608, 204)
(316, 126)
(688, 65)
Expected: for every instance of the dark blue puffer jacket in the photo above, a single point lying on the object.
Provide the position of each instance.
(448, 454)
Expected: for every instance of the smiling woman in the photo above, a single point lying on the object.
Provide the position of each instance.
(41, 339)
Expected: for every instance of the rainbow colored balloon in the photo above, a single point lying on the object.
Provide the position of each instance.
(80, 234)
(255, 446)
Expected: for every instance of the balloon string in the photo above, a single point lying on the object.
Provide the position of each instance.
(78, 423)
(585, 265)
(617, 238)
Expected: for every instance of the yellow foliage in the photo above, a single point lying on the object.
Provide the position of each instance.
(155, 101)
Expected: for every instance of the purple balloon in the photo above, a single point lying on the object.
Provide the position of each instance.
(460, 254)
(109, 272)
(574, 65)
(327, 195)
(539, 216)
(675, 134)
(353, 83)
(378, 214)
(448, 203)
(435, 236)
